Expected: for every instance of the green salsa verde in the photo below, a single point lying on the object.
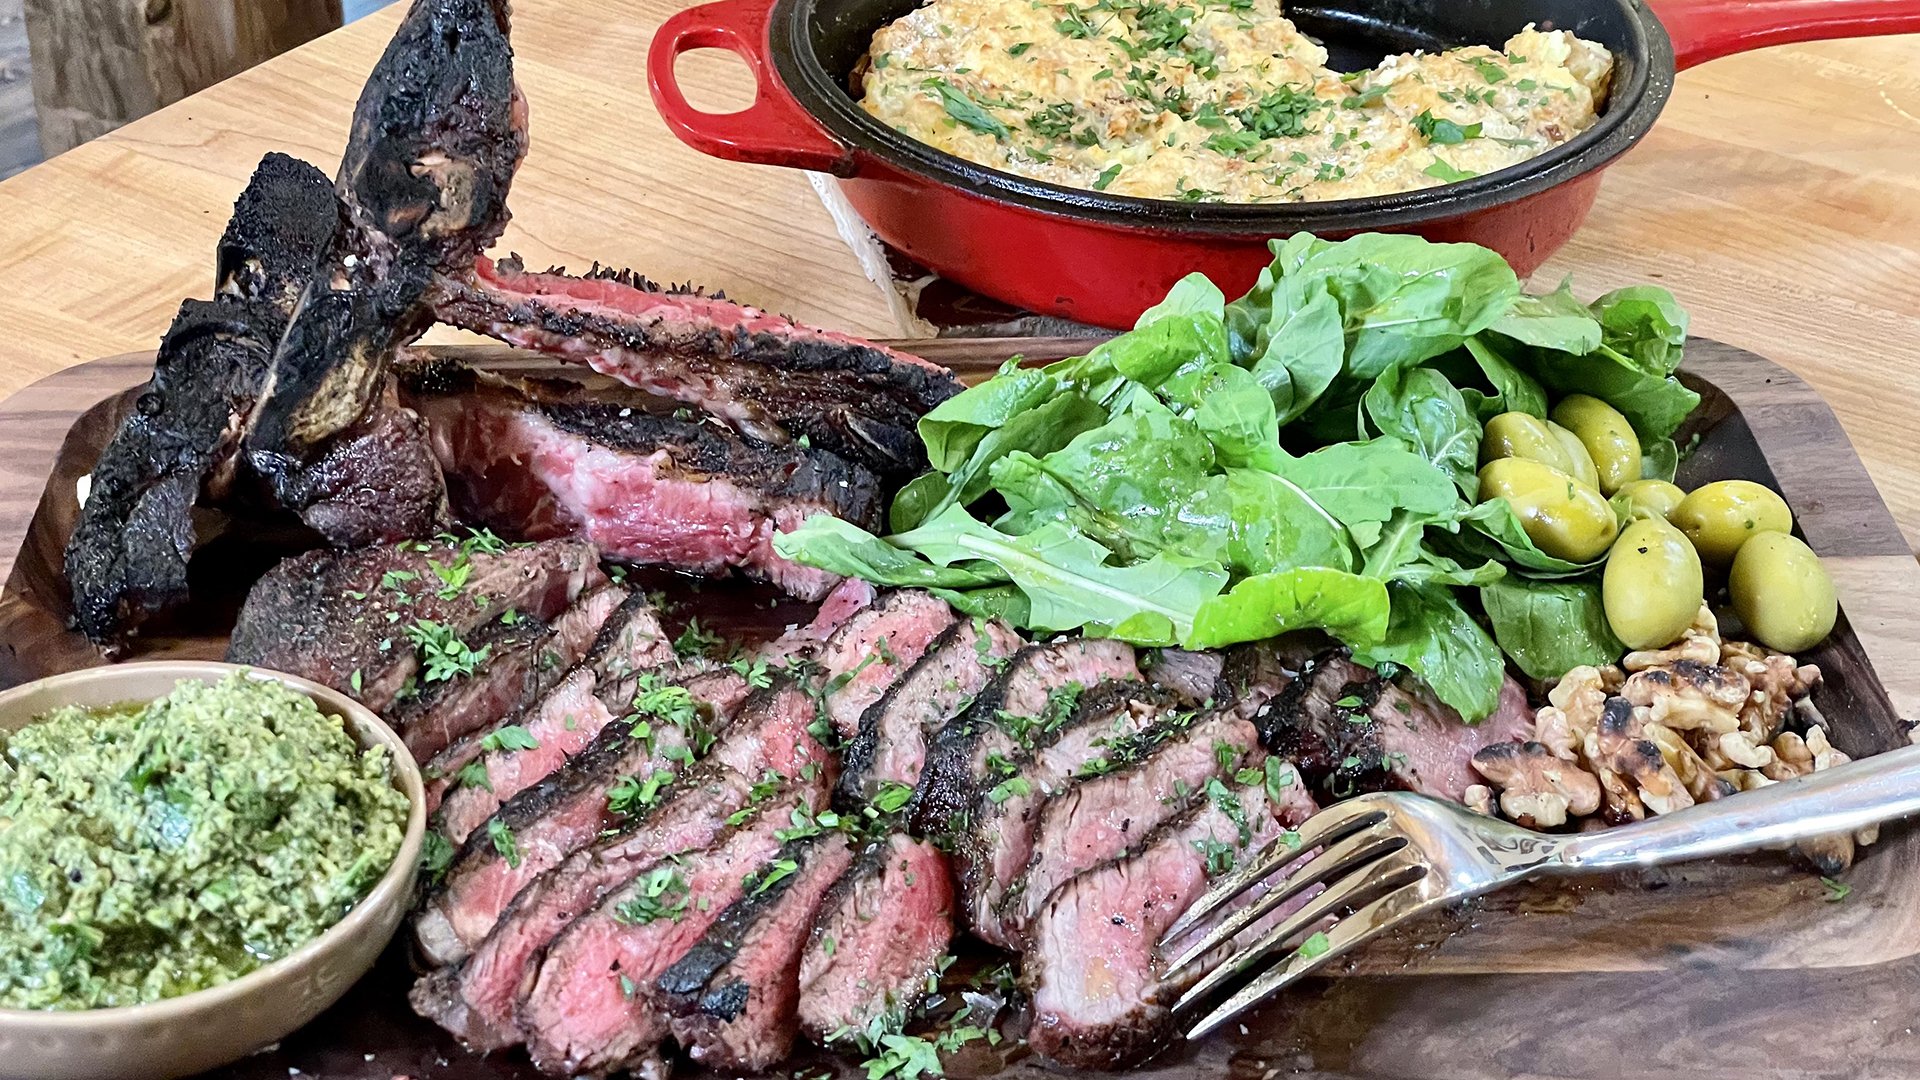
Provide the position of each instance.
(152, 850)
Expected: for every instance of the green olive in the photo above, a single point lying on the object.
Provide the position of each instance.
(1564, 518)
(1652, 586)
(1576, 451)
(1520, 435)
(1721, 516)
(1782, 593)
(1652, 498)
(1607, 436)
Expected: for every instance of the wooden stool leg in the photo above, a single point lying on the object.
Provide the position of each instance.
(98, 64)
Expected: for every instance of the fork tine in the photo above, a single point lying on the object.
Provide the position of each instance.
(1329, 863)
(1360, 888)
(1349, 932)
(1335, 821)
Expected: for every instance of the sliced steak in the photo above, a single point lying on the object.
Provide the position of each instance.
(873, 647)
(545, 458)
(957, 773)
(1050, 756)
(881, 933)
(891, 745)
(475, 999)
(803, 642)
(582, 692)
(340, 618)
(1098, 1002)
(587, 1010)
(618, 774)
(768, 376)
(1195, 676)
(1349, 731)
(519, 664)
(1156, 776)
(571, 639)
(734, 997)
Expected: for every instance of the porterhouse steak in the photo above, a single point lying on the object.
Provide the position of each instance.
(545, 458)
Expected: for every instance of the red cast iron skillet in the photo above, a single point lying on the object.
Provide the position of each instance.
(1103, 258)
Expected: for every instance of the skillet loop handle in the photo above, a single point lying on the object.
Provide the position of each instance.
(1704, 30)
(774, 130)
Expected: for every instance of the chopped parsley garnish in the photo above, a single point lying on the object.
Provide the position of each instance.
(1232, 143)
(473, 774)
(1053, 122)
(1316, 945)
(754, 671)
(442, 654)
(1281, 113)
(510, 737)
(776, 871)
(503, 842)
(1100, 184)
(436, 854)
(1443, 171)
(1370, 96)
(892, 797)
(1228, 804)
(453, 577)
(1490, 71)
(661, 894)
(964, 110)
(1019, 48)
(396, 580)
(1443, 132)
(1009, 788)
(908, 1057)
(1219, 856)
(1836, 891)
(696, 640)
(664, 701)
(631, 794)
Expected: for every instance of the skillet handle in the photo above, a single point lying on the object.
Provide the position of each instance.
(774, 130)
(1704, 30)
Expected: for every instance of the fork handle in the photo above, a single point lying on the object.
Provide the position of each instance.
(1839, 800)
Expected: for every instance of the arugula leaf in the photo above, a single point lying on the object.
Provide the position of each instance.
(1552, 320)
(1301, 350)
(1513, 390)
(1656, 405)
(1421, 407)
(1644, 324)
(1363, 483)
(956, 425)
(1231, 409)
(1274, 526)
(1069, 583)
(1039, 430)
(1550, 628)
(844, 548)
(1494, 530)
(1659, 459)
(1350, 607)
(1431, 635)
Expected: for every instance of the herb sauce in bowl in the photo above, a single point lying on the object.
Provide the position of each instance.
(151, 850)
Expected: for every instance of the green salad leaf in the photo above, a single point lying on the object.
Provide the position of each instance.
(1550, 628)
(1304, 457)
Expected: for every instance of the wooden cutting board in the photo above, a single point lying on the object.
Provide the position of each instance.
(1757, 422)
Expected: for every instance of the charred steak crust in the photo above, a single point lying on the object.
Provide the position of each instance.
(771, 377)
(735, 994)
(280, 228)
(127, 559)
(891, 744)
(322, 615)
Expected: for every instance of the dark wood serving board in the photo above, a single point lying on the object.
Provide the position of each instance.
(1761, 916)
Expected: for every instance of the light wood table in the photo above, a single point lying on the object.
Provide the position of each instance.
(1779, 197)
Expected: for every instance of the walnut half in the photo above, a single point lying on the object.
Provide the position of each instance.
(1538, 789)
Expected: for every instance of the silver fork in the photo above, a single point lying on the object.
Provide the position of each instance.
(1386, 858)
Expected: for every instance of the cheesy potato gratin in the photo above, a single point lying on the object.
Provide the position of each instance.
(1218, 100)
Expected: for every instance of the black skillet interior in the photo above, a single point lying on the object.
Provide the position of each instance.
(817, 45)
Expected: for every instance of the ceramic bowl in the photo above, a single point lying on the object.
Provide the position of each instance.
(209, 1028)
